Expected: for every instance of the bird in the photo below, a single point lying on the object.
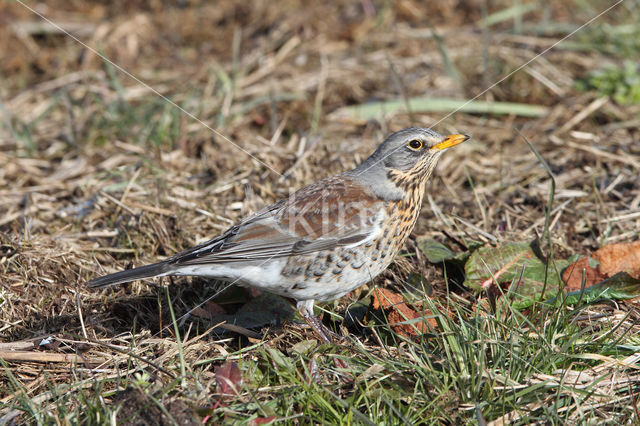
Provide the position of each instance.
(324, 240)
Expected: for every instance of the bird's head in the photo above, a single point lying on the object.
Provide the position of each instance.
(411, 154)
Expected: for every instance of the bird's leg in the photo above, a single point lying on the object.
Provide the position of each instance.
(305, 307)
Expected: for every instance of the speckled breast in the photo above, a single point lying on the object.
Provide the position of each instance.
(330, 274)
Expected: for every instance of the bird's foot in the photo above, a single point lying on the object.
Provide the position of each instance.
(326, 335)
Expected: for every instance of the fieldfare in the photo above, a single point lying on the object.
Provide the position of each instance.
(327, 238)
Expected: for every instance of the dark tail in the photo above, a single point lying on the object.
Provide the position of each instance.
(147, 271)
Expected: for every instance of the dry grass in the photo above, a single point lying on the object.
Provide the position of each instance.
(97, 173)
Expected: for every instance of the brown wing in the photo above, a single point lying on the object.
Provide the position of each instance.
(333, 212)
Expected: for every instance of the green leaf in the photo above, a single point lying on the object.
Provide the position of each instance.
(377, 110)
(621, 286)
(304, 346)
(516, 264)
(434, 251)
(512, 12)
(279, 358)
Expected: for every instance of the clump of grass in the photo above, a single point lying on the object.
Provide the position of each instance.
(503, 364)
(622, 83)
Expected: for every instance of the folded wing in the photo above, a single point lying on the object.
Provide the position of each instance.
(334, 212)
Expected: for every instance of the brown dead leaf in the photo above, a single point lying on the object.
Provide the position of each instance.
(602, 264)
(404, 313)
(398, 312)
(623, 257)
(228, 378)
(383, 298)
(572, 275)
(209, 310)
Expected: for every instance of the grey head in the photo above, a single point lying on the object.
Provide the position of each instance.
(411, 153)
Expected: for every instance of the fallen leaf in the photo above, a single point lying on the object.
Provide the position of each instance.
(400, 315)
(604, 263)
(279, 359)
(228, 378)
(621, 286)
(370, 372)
(515, 262)
(622, 257)
(312, 368)
(434, 251)
(573, 274)
(385, 298)
(209, 310)
(263, 420)
(304, 346)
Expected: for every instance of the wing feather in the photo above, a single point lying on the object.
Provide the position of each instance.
(330, 213)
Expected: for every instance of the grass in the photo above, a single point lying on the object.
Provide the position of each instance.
(97, 174)
(545, 365)
(622, 83)
(377, 110)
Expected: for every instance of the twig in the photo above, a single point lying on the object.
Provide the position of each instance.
(30, 356)
(587, 111)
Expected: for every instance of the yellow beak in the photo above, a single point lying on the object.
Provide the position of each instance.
(451, 140)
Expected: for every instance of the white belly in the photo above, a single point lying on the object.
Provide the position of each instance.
(266, 275)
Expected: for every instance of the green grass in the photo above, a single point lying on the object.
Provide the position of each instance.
(478, 363)
(488, 364)
(622, 83)
(377, 110)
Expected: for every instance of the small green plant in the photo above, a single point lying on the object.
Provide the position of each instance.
(142, 379)
(622, 83)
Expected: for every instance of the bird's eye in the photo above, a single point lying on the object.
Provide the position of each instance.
(415, 144)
